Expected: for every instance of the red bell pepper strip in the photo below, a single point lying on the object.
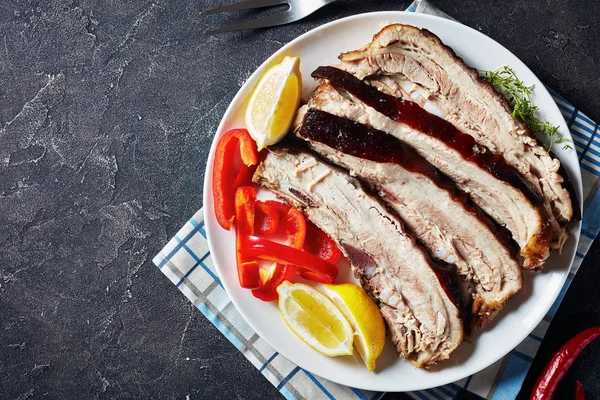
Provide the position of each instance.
(318, 243)
(268, 286)
(293, 225)
(579, 392)
(263, 249)
(279, 206)
(266, 220)
(245, 201)
(275, 217)
(249, 274)
(226, 177)
(244, 177)
(561, 361)
(311, 276)
(248, 269)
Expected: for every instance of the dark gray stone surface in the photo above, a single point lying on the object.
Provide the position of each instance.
(107, 111)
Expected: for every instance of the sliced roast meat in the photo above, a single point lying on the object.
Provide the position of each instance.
(494, 186)
(414, 292)
(412, 63)
(440, 215)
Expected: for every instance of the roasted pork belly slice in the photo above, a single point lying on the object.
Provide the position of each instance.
(493, 185)
(411, 63)
(441, 216)
(414, 292)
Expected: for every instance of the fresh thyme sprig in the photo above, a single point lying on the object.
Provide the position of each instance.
(518, 94)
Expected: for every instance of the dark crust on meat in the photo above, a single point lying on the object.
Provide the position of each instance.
(533, 252)
(486, 314)
(410, 113)
(474, 73)
(304, 198)
(494, 164)
(380, 147)
(477, 312)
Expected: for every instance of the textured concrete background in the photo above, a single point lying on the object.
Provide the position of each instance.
(107, 110)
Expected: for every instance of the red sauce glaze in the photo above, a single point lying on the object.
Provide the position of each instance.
(362, 141)
(411, 114)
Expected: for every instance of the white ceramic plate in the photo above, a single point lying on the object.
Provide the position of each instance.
(321, 47)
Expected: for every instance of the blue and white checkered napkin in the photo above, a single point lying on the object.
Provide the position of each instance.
(186, 261)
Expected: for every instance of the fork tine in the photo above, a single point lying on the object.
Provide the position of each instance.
(272, 20)
(243, 5)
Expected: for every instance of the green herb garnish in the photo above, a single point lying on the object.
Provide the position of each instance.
(518, 94)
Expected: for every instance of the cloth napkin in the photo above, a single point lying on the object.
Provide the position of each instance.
(187, 262)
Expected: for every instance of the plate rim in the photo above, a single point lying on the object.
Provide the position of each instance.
(553, 108)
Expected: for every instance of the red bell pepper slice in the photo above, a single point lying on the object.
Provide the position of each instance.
(276, 217)
(557, 367)
(279, 206)
(248, 269)
(245, 201)
(263, 249)
(249, 274)
(318, 243)
(268, 285)
(267, 219)
(244, 177)
(226, 177)
(309, 275)
(293, 225)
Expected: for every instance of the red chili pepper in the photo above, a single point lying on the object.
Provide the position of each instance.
(267, 219)
(561, 361)
(248, 269)
(263, 249)
(318, 243)
(226, 177)
(269, 283)
(579, 392)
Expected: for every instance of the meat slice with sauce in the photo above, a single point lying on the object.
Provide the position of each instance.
(414, 64)
(414, 292)
(440, 216)
(493, 185)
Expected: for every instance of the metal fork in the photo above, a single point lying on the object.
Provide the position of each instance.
(297, 9)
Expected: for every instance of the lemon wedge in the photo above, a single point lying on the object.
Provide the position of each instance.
(315, 319)
(364, 316)
(274, 102)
